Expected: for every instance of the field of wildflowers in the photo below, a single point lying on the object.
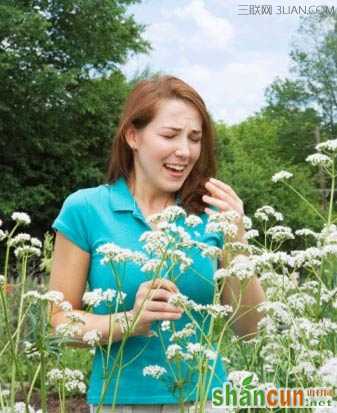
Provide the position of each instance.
(296, 344)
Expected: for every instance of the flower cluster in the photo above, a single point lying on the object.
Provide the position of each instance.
(97, 296)
(154, 371)
(72, 380)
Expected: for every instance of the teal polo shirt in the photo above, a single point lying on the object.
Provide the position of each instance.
(91, 217)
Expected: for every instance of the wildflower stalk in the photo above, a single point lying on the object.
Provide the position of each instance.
(36, 374)
(306, 201)
(43, 388)
(8, 247)
(17, 339)
(332, 193)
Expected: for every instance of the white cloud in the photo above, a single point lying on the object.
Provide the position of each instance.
(211, 30)
(235, 90)
(231, 74)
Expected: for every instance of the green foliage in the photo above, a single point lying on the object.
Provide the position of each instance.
(250, 159)
(297, 124)
(61, 97)
(314, 56)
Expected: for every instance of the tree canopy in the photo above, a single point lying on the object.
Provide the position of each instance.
(61, 90)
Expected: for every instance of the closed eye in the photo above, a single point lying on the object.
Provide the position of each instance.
(172, 136)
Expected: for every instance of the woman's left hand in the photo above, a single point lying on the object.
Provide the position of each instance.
(224, 198)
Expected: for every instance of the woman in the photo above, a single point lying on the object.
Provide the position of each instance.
(162, 155)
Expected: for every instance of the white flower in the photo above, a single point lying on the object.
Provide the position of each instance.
(55, 375)
(55, 296)
(74, 385)
(125, 321)
(93, 298)
(30, 350)
(92, 337)
(218, 310)
(328, 146)
(0, 223)
(328, 372)
(27, 250)
(311, 257)
(194, 348)
(73, 379)
(280, 233)
(21, 218)
(266, 211)
(36, 242)
(2, 280)
(20, 407)
(221, 273)
(211, 354)
(305, 232)
(114, 253)
(154, 371)
(75, 317)
(165, 325)
(247, 222)
(34, 295)
(318, 159)
(178, 300)
(20, 238)
(152, 265)
(306, 368)
(253, 233)
(5, 393)
(68, 329)
(187, 331)
(173, 350)
(193, 220)
(281, 176)
(182, 258)
(241, 267)
(171, 213)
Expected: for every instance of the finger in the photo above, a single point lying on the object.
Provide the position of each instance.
(217, 192)
(222, 205)
(222, 186)
(162, 307)
(163, 283)
(154, 315)
(147, 293)
(160, 294)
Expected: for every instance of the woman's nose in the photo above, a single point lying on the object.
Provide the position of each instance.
(183, 148)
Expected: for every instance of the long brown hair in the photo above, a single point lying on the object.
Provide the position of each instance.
(139, 110)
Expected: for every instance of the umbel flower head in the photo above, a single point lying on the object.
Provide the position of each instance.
(281, 176)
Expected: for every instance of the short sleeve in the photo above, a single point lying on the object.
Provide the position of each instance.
(72, 219)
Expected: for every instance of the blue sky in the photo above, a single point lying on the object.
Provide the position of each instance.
(229, 58)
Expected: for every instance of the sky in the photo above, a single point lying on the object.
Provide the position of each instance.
(228, 55)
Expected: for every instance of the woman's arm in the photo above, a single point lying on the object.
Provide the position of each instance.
(69, 276)
(247, 317)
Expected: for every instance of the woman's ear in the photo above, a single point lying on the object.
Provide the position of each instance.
(131, 137)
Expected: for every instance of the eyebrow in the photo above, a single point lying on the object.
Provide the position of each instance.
(194, 131)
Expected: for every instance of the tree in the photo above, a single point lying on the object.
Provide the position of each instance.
(61, 91)
(315, 63)
(252, 159)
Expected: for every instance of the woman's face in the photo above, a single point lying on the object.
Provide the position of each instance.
(171, 140)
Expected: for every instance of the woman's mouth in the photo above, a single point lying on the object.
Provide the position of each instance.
(175, 170)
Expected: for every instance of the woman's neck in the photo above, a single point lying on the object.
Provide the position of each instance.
(151, 203)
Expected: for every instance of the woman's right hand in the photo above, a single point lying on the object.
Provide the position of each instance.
(151, 305)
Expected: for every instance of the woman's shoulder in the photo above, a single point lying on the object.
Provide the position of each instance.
(87, 196)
